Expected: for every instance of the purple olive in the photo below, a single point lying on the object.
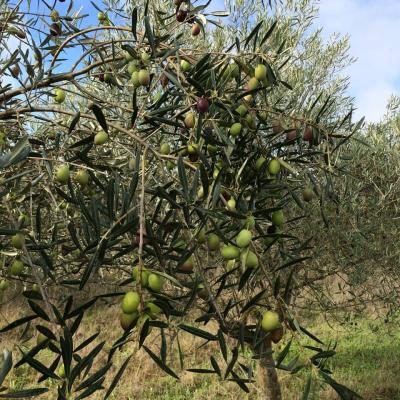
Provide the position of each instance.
(55, 29)
(291, 135)
(181, 15)
(164, 80)
(202, 105)
(308, 134)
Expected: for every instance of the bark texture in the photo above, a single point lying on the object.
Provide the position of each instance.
(267, 375)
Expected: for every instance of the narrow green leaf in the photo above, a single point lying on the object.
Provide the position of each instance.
(290, 87)
(91, 389)
(216, 191)
(46, 332)
(38, 310)
(174, 80)
(117, 378)
(149, 33)
(163, 350)
(245, 277)
(134, 22)
(282, 355)
(315, 102)
(135, 108)
(240, 382)
(101, 119)
(144, 332)
(87, 342)
(95, 377)
(198, 332)
(296, 199)
(292, 262)
(253, 301)
(6, 365)
(215, 365)
(309, 334)
(269, 33)
(163, 366)
(323, 355)
(204, 180)
(38, 366)
(253, 33)
(201, 371)
(20, 151)
(344, 392)
(18, 322)
(222, 344)
(74, 121)
(235, 354)
(81, 308)
(183, 178)
(67, 350)
(281, 47)
(23, 394)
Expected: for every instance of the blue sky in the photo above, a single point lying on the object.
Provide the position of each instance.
(374, 30)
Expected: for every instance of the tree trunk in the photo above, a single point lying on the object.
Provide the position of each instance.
(267, 375)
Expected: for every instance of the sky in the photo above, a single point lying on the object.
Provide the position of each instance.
(374, 30)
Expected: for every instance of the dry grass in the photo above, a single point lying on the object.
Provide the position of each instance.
(367, 361)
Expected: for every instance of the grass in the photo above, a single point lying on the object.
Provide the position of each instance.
(367, 361)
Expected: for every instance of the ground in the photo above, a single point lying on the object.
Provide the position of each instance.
(367, 361)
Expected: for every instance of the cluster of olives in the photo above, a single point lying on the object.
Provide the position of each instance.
(241, 251)
(260, 76)
(140, 75)
(17, 241)
(17, 266)
(130, 315)
(81, 176)
(148, 279)
(190, 149)
(182, 15)
(137, 67)
(273, 166)
(231, 253)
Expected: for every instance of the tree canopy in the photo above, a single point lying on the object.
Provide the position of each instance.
(180, 162)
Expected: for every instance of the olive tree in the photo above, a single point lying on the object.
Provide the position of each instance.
(361, 252)
(171, 164)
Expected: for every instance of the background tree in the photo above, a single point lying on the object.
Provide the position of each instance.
(360, 248)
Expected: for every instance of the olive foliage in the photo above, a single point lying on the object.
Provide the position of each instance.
(173, 168)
